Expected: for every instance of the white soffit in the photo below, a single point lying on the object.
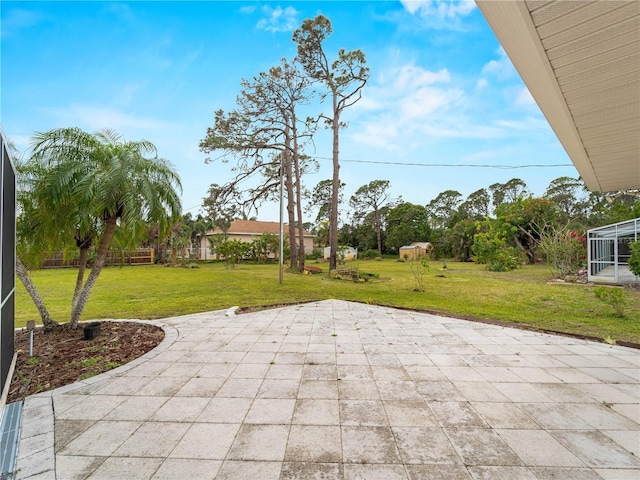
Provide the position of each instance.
(580, 59)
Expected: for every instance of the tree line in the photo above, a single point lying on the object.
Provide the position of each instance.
(502, 225)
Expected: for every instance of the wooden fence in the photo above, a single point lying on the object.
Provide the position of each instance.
(141, 256)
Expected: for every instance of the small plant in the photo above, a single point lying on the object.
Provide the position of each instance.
(614, 297)
(33, 361)
(90, 362)
(419, 266)
(608, 340)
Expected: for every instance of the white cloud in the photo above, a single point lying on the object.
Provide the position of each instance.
(440, 9)
(407, 107)
(379, 134)
(527, 124)
(248, 9)
(501, 67)
(481, 84)
(411, 76)
(401, 102)
(424, 102)
(525, 100)
(461, 126)
(279, 19)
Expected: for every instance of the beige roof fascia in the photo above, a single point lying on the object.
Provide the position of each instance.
(512, 24)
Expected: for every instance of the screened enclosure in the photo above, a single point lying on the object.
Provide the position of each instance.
(7, 260)
(608, 251)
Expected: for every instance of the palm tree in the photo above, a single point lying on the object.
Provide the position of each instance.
(97, 185)
(30, 247)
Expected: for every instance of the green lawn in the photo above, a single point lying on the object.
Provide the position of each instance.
(521, 296)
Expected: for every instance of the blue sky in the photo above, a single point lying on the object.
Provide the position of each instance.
(441, 90)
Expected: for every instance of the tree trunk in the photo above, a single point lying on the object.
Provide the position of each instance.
(101, 255)
(23, 274)
(84, 255)
(288, 180)
(335, 187)
(378, 231)
(298, 185)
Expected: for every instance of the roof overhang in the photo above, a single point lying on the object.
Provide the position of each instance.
(581, 62)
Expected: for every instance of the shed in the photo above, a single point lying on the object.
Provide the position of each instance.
(349, 253)
(415, 250)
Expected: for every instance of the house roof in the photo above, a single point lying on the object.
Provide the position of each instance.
(255, 227)
(581, 62)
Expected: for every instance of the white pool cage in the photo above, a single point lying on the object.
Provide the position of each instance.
(608, 251)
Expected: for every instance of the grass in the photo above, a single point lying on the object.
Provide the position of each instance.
(464, 289)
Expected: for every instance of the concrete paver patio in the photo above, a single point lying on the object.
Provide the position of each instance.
(336, 389)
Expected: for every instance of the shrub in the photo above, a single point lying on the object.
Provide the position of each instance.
(634, 259)
(233, 251)
(370, 254)
(565, 251)
(505, 260)
(494, 252)
(614, 297)
(316, 254)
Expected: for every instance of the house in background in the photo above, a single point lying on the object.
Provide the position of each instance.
(248, 231)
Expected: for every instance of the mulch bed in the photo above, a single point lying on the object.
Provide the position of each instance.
(62, 356)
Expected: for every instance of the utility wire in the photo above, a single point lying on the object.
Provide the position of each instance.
(471, 165)
(413, 164)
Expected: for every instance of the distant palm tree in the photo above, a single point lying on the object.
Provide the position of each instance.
(90, 187)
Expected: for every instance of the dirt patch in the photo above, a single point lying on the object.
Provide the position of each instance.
(62, 357)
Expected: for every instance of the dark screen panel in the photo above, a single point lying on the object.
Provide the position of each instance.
(8, 227)
(7, 261)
